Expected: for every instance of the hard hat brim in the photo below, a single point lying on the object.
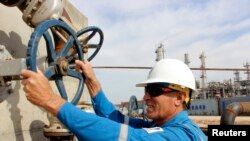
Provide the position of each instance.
(150, 81)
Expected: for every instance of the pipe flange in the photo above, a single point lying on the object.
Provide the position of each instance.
(38, 11)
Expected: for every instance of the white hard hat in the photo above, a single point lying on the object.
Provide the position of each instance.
(171, 71)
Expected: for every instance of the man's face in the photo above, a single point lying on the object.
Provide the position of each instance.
(161, 108)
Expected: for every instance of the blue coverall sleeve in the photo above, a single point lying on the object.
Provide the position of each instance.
(104, 108)
(87, 126)
(90, 127)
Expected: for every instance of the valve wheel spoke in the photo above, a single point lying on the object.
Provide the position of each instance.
(61, 88)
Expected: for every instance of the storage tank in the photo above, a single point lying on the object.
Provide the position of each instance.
(204, 107)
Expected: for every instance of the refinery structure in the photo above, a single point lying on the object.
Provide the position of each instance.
(228, 88)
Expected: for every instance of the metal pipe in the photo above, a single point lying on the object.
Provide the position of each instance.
(234, 109)
(146, 67)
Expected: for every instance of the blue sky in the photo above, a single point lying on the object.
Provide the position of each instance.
(134, 29)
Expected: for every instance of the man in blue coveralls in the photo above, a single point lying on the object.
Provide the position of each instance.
(168, 89)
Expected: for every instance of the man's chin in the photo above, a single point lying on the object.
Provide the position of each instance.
(150, 116)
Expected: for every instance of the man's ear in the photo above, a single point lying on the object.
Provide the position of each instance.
(180, 98)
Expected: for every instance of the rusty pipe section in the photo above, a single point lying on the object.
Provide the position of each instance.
(234, 109)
